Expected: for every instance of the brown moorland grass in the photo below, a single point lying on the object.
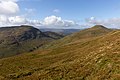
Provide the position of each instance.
(92, 59)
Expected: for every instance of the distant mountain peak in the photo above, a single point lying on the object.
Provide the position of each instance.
(99, 26)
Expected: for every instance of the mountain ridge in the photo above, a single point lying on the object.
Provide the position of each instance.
(19, 39)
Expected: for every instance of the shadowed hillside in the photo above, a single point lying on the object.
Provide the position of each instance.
(53, 35)
(19, 39)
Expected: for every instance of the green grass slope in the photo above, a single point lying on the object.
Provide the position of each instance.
(93, 59)
(83, 35)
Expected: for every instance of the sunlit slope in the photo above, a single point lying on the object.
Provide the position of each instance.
(83, 35)
(96, 59)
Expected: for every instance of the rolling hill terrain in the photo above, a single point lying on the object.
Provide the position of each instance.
(91, 54)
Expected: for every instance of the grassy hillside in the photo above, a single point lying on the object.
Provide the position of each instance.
(19, 39)
(92, 59)
(83, 35)
(53, 35)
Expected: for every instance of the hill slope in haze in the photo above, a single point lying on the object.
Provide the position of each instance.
(19, 39)
(89, 59)
(61, 31)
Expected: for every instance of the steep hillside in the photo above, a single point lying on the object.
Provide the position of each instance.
(19, 39)
(53, 35)
(93, 59)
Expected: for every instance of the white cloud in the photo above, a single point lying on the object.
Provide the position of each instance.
(17, 20)
(9, 0)
(36, 23)
(52, 20)
(8, 7)
(111, 22)
(3, 20)
(56, 10)
(55, 21)
(8, 21)
(93, 20)
(48, 22)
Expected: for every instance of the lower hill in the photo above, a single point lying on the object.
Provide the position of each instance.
(19, 39)
(93, 59)
(53, 35)
(61, 31)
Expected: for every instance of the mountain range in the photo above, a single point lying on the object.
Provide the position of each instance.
(90, 54)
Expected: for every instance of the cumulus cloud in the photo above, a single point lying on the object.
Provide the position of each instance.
(111, 22)
(8, 21)
(93, 20)
(50, 21)
(10, 0)
(8, 7)
(17, 20)
(3, 20)
(55, 21)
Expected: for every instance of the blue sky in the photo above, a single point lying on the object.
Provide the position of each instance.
(62, 13)
(74, 9)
